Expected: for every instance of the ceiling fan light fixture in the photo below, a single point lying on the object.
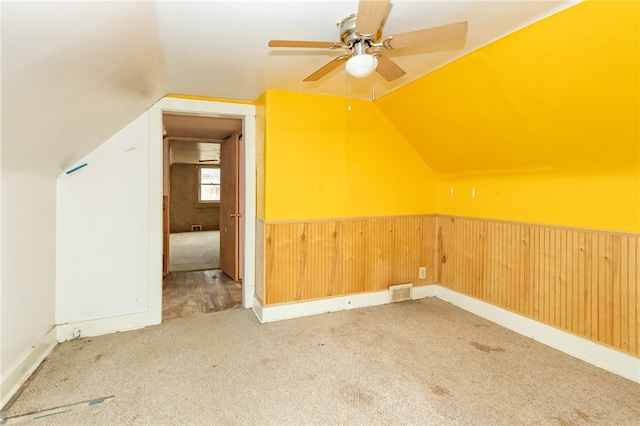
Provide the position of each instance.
(361, 37)
(362, 65)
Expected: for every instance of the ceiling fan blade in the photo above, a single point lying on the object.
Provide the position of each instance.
(427, 35)
(389, 69)
(305, 44)
(327, 68)
(370, 15)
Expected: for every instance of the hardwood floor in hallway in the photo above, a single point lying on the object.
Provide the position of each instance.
(187, 294)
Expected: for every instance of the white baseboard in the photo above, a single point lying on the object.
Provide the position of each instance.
(257, 308)
(23, 369)
(333, 304)
(313, 307)
(423, 291)
(599, 355)
(101, 326)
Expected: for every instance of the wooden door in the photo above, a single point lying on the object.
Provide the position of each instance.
(165, 235)
(166, 214)
(229, 207)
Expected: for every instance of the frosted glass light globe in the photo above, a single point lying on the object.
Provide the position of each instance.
(361, 65)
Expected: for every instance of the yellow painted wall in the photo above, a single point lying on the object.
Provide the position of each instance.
(544, 123)
(323, 160)
(260, 135)
(608, 202)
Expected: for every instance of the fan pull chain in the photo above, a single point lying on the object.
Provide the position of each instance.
(373, 90)
(349, 98)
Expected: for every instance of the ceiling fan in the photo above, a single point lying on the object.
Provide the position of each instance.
(361, 36)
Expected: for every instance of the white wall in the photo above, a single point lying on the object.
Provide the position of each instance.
(103, 234)
(109, 226)
(27, 266)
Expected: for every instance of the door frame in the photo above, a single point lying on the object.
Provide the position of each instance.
(244, 111)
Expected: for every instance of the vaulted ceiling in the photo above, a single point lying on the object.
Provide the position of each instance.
(219, 48)
(74, 73)
(558, 96)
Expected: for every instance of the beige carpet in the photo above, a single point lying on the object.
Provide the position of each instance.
(420, 362)
(194, 251)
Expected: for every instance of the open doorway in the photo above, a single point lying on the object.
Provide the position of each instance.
(201, 193)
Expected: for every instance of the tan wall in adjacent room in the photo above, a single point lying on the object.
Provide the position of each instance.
(184, 203)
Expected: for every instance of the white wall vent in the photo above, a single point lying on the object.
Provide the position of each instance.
(400, 292)
(196, 227)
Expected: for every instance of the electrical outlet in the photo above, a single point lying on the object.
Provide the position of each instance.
(422, 273)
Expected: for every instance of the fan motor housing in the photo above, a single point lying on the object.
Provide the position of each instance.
(348, 33)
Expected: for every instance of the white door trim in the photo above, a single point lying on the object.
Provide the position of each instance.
(211, 108)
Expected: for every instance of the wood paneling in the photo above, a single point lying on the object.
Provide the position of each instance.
(581, 281)
(310, 260)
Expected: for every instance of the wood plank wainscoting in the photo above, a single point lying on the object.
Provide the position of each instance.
(581, 281)
(309, 260)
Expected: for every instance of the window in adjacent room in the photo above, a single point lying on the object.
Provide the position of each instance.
(209, 184)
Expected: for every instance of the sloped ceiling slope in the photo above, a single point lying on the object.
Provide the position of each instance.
(559, 95)
(73, 74)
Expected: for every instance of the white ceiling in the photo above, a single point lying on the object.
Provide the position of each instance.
(74, 73)
(219, 48)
